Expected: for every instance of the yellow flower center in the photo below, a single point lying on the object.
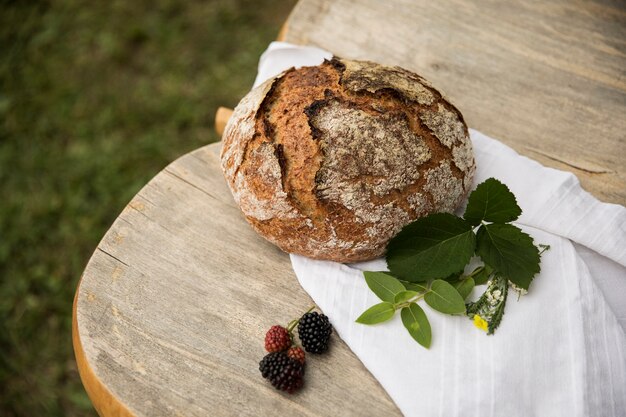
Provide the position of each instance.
(480, 322)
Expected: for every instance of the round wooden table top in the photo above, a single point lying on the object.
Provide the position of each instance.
(171, 311)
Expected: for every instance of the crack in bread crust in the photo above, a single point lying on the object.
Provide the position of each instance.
(342, 155)
(365, 155)
(372, 77)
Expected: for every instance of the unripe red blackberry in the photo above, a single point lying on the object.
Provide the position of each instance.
(277, 339)
(296, 353)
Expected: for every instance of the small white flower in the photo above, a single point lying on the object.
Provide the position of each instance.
(520, 290)
(491, 299)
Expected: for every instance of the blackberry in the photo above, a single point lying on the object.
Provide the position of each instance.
(277, 339)
(283, 372)
(314, 330)
(296, 353)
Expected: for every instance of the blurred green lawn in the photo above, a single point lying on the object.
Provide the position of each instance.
(95, 99)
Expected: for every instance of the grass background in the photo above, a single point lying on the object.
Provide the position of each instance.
(95, 99)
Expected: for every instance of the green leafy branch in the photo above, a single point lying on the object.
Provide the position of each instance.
(396, 295)
(427, 259)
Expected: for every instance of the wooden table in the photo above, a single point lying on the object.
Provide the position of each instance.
(171, 310)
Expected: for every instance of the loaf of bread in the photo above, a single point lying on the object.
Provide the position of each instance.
(331, 161)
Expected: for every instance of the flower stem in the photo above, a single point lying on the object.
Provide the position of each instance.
(475, 272)
(543, 248)
(293, 323)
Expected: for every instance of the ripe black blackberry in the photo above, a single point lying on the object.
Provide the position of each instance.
(283, 372)
(314, 330)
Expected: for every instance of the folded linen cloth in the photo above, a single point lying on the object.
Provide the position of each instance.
(560, 350)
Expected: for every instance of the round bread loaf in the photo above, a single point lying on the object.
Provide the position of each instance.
(331, 161)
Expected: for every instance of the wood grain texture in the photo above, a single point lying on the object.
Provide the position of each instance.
(173, 307)
(105, 403)
(221, 118)
(547, 78)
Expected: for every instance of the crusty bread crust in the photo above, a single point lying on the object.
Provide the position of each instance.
(332, 161)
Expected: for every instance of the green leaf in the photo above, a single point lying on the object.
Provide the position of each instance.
(491, 201)
(434, 246)
(404, 296)
(481, 277)
(465, 287)
(415, 286)
(510, 252)
(383, 285)
(453, 277)
(377, 313)
(416, 322)
(444, 298)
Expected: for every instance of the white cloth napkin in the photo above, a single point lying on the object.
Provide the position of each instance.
(560, 350)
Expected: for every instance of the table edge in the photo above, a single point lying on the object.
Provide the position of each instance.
(105, 403)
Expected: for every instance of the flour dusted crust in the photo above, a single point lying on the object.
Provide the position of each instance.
(332, 161)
